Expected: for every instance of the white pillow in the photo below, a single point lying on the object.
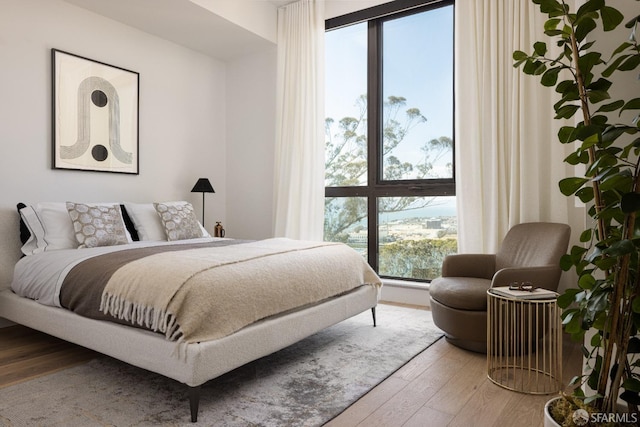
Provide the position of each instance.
(146, 220)
(51, 227)
(36, 243)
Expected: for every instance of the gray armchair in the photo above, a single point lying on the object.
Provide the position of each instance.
(530, 252)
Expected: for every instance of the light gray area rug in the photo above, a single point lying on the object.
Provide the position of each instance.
(306, 384)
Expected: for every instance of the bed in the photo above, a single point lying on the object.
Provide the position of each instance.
(144, 335)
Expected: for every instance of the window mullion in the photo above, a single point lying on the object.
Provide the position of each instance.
(374, 109)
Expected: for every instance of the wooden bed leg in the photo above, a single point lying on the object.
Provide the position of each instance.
(194, 402)
(373, 313)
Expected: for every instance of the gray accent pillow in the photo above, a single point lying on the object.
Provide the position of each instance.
(97, 225)
(178, 220)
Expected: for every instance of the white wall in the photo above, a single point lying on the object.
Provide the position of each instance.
(251, 120)
(257, 16)
(182, 110)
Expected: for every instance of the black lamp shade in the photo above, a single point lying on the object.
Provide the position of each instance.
(203, 186)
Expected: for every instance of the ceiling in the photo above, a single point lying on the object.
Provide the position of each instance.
(185, 23)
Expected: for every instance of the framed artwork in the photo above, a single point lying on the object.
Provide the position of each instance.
(95, 115)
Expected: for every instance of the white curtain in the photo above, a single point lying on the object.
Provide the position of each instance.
(508, 158)
(299, 155)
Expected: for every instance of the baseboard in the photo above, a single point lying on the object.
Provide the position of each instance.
(405, 292)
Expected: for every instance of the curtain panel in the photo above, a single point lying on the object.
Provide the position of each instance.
(299, 154)
(508, 158)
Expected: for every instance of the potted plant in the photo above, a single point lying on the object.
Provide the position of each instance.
(604, 308)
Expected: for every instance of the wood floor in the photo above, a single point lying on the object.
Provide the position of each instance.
(26, 354)
(443, 386)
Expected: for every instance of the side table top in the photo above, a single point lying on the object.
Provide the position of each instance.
(537, 294)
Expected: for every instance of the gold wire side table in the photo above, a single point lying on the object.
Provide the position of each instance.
(524, 344)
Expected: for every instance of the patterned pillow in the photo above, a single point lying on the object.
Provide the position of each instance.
(97, 225)
(178, 220)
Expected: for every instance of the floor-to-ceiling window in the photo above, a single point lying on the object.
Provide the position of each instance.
(390, 189)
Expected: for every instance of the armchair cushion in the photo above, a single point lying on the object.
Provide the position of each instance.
(469, 265)
(462, 293)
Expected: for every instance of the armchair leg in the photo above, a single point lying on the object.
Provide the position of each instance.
(373, 313)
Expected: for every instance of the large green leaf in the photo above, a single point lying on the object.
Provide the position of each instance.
(566, 111)
(596, 96)
(588, 60)
(631, 384)
(585, 194)
(586, 46)
(549, 6)
(567, 86)
(574, 326)
(577, 157)
(613, 106)
(569, 186)
(630, 202)
(540, 48)
(634, 345)
(589, 7)
(611, 18)
(597, 304)
(531, 67)
(634, 104)
(603, 164)
(566, 97)
(613, 132)
(587, 281)
(566, 263)
(550, 77)
(590, 134)
(614, 65)
(585, 236)
(567, 134)
(552, 24)
(633, 22)
(584, 28)
(600, 84)
(595, 374)
(623, 247)
(621, 48)
(567, 315)
(631, 397)
(630, 63)
(519, 55)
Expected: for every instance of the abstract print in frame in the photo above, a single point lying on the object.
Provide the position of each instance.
(95, 115)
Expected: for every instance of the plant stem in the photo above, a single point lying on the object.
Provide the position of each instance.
(586, 114)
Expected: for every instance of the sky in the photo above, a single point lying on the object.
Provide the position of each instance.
(417, 65)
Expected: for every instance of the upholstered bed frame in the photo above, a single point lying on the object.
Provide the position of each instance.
(151, 351)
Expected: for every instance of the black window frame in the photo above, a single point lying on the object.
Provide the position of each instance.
(376, 187)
